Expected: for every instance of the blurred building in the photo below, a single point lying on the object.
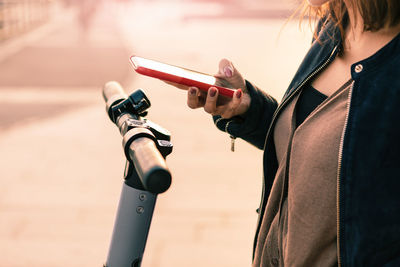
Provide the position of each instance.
(18, 16)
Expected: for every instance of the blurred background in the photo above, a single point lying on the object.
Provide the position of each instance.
(61, 159)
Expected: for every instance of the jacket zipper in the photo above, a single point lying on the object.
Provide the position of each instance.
(285, 101)
(298, 88)
(338, 175)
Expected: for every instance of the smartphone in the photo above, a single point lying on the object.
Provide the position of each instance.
(178, 75)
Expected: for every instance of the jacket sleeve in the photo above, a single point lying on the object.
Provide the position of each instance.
(252, 126)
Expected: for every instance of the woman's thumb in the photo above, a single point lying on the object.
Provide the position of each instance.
(226, 68)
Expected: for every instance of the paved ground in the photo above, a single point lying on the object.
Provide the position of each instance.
(61, 158)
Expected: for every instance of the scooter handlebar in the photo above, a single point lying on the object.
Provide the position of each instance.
(150, 165)
(139, 143)
(113, 90)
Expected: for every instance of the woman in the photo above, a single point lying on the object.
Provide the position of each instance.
(331, 161)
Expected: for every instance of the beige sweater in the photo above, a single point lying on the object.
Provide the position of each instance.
(299, 224)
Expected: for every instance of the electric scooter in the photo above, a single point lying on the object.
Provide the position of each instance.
(146, 175)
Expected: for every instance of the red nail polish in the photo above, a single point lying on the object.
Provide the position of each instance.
(239, 93)
(228, 72)
(192, 90)
(213, 92)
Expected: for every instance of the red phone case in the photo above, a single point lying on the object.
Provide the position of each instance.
(181, 80)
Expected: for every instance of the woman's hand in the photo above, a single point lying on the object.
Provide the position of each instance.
(226, 107)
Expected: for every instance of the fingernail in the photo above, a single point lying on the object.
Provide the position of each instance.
(239, 93)
(192, 90)
(228, 71)
(213, 91)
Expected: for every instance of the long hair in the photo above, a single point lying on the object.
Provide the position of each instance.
(376, 14)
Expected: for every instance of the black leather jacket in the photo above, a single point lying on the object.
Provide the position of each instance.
(368, 182)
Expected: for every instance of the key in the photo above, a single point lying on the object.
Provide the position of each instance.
(232, 143)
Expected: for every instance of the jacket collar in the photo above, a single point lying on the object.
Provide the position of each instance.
(321, 50)
(378, 60)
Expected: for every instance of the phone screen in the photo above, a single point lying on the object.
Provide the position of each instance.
(173, 70)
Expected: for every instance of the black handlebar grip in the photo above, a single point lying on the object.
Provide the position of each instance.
(150, 165)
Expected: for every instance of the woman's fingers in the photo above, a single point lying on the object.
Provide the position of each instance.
(229, 76)
(226, 111)
(212, 105)
(231, 108)
(193, 100)
(226, 68)
(196, 98)
(211, 102)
